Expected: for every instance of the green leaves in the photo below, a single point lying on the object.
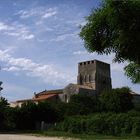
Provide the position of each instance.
(114, 28)
(117, 100)
(132, 70)
(102, 123)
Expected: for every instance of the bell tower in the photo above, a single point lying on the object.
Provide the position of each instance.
(95, 74)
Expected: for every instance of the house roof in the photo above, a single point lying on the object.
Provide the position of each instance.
(40, 98)
(44, 97)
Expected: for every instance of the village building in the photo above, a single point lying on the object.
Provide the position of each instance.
(49, 95)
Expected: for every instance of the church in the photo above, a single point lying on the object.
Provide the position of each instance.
(93, 77)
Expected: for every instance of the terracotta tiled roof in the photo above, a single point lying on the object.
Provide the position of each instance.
(44, 97)
(40, 98)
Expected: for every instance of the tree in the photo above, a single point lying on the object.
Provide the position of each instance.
(81, 104)
(114, 28)
(117, 100)
(84, 104)
(47, 112)
(26, 116)
(3, 113)
(132, 70)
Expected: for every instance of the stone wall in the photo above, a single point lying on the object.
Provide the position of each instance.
(95, 74)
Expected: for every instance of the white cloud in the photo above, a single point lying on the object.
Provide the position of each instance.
(37, 12)
(27, 37)
(48, 73)
(49, 14)
(80, 52)
(4, 26)
(16, 30)
(65, 36)
(26, 14)
(12, 68)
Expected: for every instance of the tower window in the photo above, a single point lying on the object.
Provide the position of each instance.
(89, 78)
(84, 80)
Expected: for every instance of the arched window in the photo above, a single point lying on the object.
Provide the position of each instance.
(84, 80)
(87, 79)
(80, 79)
(92, 78)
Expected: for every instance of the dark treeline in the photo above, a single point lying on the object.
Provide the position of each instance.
(110, 113)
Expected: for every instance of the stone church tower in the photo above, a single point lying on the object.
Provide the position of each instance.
(94, 74)
(93, 77)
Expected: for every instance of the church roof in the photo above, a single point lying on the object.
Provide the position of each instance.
(57, 91)
(44, 97)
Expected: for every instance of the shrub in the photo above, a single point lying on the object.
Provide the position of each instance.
(102, 123)
(116, 100)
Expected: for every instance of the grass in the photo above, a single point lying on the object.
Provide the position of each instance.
(84, 136)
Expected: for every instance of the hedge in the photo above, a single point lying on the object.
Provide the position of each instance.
(102, 123)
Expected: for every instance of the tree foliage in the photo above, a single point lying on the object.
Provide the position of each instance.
(102, 123)
(4, 114)
(114, 28)
(132, 70)
(117, 100)
(30, 114)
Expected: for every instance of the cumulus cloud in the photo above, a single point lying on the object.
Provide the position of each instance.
(48, 73)
(49, 14)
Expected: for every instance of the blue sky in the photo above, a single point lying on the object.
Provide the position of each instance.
(40, 46)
